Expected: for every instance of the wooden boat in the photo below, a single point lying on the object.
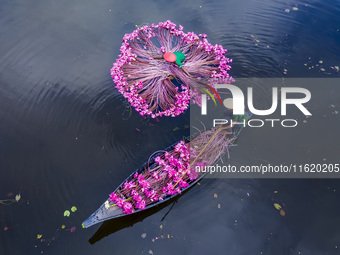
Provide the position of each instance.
(105, 212)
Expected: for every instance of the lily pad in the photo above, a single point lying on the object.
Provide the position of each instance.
(67, 213)
(73, 209)
(277, 206)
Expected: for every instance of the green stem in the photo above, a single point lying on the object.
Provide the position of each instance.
(125, 201)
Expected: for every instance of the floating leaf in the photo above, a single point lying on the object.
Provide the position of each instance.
(17, 197)
(215, 195)
(277, 206)
(282, 212)
(150, 252)
(73, 209)
(143, 235)
(336, 68)
(275, 191)
(67, 213)
(295, 8)
(219, 206)
(39, 236)
(62, 226)
(73, 229)
(5, 228)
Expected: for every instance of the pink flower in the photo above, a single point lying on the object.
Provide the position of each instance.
(169, 189)
(183, 184)
(129, 185)
(140, 205)
(140, 178)
(135, 195)
(144, 184)
(144, 78)
(172, 173)
(127, 208)
(113, 197)
(155, 175)
(151, 194)
(120, 202)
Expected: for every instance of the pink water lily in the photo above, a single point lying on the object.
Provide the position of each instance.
(113, 197)
(170, 172)
(156, 86)
(140, 205)
(120, 202)
(127, 208)
(129, 185)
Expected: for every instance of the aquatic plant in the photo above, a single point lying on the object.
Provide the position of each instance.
(160, 68)
(172, 171)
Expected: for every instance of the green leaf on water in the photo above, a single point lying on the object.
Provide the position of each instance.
(17, 197)
(73, 209)
(277, 206)
(67, 213)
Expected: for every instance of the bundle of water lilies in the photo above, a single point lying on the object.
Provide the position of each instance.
(171, 171)
(160, 68)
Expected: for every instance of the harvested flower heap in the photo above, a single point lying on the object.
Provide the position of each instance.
(160, 68)
(172, 171)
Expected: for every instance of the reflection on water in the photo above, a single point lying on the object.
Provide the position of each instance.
(67, 137)
(112, 226)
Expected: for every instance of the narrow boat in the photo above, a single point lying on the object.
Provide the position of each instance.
(109, 210)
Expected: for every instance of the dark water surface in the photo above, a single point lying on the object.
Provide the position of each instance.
(67, 138)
